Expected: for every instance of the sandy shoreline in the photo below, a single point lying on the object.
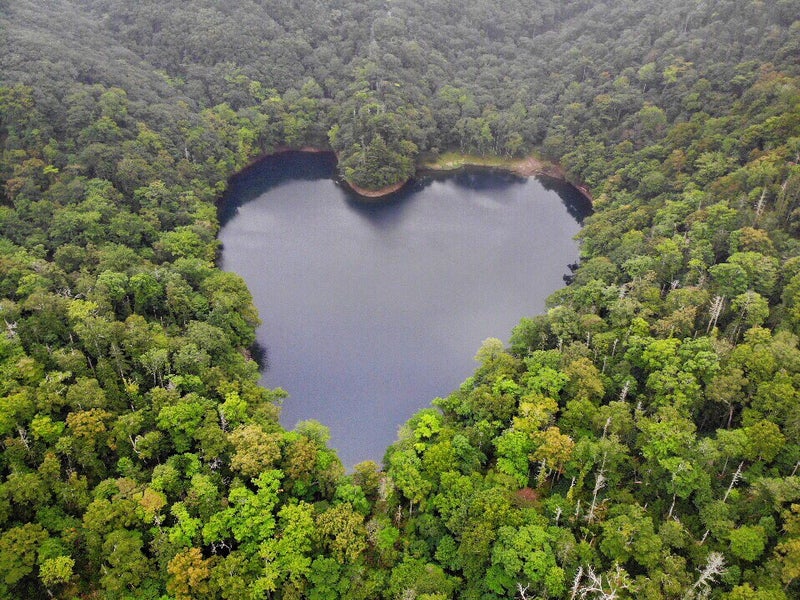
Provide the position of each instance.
(529, 166)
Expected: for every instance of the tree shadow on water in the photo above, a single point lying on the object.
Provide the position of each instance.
(578, 206)
(270, 172)
(386, 212)
(260, 354)
(485, 179)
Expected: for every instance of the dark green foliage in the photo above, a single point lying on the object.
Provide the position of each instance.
(640, 440)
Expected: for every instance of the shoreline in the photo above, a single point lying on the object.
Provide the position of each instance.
(529, 166)
(361, 191)
(380, 193)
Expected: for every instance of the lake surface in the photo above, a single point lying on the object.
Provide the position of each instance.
(371, 309)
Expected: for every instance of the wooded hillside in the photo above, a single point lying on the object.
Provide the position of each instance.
(639, 440)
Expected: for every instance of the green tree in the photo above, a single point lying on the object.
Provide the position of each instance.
(18, 554)
(341, 530)
(748, 542)
(255, 450)
(190, 574)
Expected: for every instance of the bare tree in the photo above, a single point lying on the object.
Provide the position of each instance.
(599, 484)
(715, 566)
(576, 584)
(761, 203)
(714, 312)
(608, 586)
(736, 477)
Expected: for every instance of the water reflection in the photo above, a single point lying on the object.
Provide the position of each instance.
(476, 179)
(383, 213)
(578, 206)
(272, 171)
(260, 353)
(372, 309)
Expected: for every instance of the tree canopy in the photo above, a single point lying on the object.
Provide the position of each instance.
(638, 440)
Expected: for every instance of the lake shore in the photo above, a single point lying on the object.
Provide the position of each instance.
(380, 296)
(528, 166)
(379, 193)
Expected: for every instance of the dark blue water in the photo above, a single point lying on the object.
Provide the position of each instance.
(372, 309)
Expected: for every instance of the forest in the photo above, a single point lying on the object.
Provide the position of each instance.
(638, 440)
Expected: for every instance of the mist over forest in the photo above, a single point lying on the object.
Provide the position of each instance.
(639, 439)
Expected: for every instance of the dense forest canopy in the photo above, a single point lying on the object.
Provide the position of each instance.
(639, 440)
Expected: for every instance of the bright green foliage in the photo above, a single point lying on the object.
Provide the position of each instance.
(525, 555)
(629, 536)
(639, 438)
(513, 449)
(287, 556)
(249, 519)
(404, 468)
(55, 571)
(415, 577)
(748, 542)
(18, 554)
(326, 581)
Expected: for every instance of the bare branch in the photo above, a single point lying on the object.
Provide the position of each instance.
(715, 566)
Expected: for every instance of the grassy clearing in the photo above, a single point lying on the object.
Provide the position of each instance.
(450, 161)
